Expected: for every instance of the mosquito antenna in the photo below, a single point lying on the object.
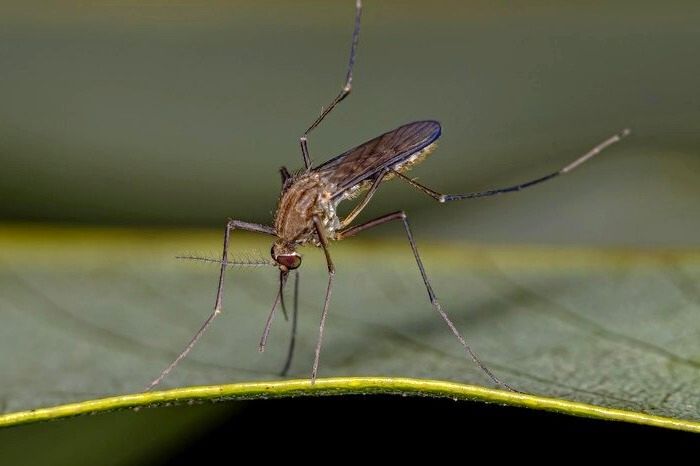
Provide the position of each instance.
(268, 322)
(246, 262)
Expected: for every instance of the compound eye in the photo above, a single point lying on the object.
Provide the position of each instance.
(290, 261)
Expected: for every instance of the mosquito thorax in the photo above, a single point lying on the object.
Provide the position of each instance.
(285, 256)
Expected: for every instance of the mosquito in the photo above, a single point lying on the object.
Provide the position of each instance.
(307, 211)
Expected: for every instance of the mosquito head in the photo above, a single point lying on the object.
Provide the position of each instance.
(285, 256)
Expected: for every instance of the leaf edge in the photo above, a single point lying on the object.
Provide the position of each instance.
(341, 386)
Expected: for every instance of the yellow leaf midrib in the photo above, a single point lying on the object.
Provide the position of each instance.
(342, 386)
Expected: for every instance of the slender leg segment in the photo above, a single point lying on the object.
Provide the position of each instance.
(401, 215)
(284, 175)
(283, 283)
(344, 91)
(292, 341)
(324, 315)
(518, 187)
(271, 315)
(365, 200)
(230, 226)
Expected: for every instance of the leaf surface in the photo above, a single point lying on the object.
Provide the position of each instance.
(91, 313)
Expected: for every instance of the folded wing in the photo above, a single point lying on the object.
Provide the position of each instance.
(390, 150)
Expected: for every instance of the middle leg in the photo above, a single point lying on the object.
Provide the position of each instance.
(401, 215)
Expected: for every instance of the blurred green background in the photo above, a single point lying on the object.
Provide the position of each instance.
(180, 113)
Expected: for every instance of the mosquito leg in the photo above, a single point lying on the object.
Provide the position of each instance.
(271, 315)
(365, 200)
(344, 91)
(292, 341)
(518, 187)
(324, 315)
(230, 226)
(401, 215)
(283, 283)
(284, 175)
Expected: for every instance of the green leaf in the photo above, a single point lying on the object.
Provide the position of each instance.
(342, 386)
(90, 313)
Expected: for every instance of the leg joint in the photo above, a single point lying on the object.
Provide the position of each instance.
(232, 224)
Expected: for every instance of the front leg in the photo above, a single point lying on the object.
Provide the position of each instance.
(318, 225)
(344, 91)
(218, 303)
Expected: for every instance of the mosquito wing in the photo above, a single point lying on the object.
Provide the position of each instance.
(390, 150)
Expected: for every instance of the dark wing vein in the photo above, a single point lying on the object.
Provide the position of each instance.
(365, 161)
